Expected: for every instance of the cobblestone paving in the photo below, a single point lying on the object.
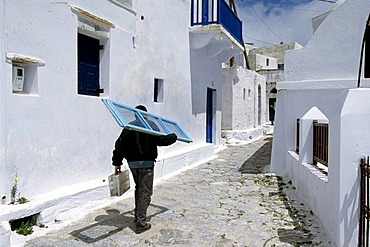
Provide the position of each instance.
(229, 201)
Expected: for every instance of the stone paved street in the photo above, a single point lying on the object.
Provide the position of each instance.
(228, 201)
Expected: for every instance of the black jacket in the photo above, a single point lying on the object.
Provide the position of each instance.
(136, 146)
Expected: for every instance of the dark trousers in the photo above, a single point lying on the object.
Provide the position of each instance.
(143, 178)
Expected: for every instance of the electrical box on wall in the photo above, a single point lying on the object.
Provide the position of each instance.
(18, 78)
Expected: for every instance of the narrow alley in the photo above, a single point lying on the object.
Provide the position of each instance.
(229, 201)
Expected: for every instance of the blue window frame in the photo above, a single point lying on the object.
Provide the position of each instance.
(135, 119)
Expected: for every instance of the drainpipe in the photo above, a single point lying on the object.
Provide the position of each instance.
(3, 93)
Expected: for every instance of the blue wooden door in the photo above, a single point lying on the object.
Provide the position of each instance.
(88, 65)
(209, 115)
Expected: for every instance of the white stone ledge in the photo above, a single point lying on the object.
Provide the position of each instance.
(24, 59)
(313, 169)
(317, 84)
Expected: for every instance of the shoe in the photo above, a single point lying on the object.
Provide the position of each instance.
(140, 229)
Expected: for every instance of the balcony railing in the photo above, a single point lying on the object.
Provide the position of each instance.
(206, 12)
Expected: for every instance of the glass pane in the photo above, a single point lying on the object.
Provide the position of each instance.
(128, 117)
(174, 129)
(154, 123)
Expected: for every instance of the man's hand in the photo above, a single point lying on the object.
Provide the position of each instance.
(117, 170)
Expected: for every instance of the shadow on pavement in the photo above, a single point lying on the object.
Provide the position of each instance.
(114, 218)
(297, 232)
(257, 163)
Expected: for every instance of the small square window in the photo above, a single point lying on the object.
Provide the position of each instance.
(24, 79)
(158, 90)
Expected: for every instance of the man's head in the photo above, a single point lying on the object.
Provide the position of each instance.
(141, 107)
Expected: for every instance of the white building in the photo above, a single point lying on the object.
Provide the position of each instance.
(56, 134)
(268, 61)
(243, 105)
(321, 83)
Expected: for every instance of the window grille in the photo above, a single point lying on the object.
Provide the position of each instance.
(320, 143)
(297, 137)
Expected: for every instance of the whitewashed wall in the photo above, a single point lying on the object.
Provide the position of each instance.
(276, 51)
(319, 75)
(57, 138)
(339, 32)
(4, 86)
(240, 105)
(206, 72)
(259, 62)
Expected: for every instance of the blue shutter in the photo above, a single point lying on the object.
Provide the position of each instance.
(88, 65)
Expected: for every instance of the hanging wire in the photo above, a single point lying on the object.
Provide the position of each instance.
(258, 40)
(263, 21)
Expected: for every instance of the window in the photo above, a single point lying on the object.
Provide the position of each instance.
(244, 93)
(367, 51)
(92, 53)
(267, 62)
(88, 65)
(320, 143)
(158, 90)
(280, 66)
(18, 78)
(24, 73)
(131, 118)
(297, 137)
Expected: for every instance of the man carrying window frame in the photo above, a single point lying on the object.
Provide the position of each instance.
(140, 150)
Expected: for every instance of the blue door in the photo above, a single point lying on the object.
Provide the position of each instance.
(209, 115)
(88, 65)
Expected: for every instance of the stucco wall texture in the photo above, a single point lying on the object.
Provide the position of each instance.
(323, 76)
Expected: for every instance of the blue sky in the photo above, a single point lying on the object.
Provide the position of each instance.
(267, 22)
